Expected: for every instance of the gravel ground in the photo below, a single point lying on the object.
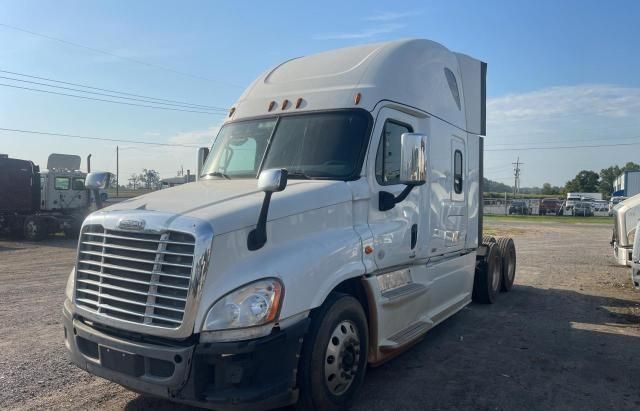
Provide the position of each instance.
(566, 337)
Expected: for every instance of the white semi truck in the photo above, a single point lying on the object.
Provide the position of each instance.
(626, 215)
(37, 203)
(362, 232)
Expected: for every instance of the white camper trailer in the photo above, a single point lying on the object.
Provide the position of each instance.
(336, 219)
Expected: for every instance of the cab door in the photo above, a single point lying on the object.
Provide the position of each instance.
(394, 231)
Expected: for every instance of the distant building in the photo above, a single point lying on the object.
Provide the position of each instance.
(176, 181)
(627, 184)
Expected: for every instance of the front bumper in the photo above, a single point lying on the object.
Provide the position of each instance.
(254, 374)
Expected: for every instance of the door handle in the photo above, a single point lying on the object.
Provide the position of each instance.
(414, 235)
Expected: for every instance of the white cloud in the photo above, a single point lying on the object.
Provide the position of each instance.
(195, 137)
(361, 34)
(592, 114)
(557, 102)
(391, 15)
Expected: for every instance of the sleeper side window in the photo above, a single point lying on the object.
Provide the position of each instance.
(388, 156)
(457, 172)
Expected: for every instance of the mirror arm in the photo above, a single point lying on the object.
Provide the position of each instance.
(258, 236)
(386, 200)
(96, 195)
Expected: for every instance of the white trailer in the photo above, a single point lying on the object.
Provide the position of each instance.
(363, 232)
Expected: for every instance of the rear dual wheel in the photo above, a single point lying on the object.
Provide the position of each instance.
(508, 254)
(488, 275)
(496, 270)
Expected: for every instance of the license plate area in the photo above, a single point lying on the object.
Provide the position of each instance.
(123, 362)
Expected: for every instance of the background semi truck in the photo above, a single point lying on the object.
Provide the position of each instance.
(362, 232)
(626, 215)
(37, 203)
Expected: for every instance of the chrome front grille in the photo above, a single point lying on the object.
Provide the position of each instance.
(137, 277)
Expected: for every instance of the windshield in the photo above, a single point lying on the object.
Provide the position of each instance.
(327, 145)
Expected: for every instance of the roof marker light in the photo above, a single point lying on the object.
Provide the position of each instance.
(285, 103)
(233, 110)
(356, 98)
(299, 102)
(272, 105)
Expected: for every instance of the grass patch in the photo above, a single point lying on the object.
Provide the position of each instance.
(549, 219)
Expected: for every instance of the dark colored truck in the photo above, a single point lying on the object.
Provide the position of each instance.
(23, 191)
(550, 206)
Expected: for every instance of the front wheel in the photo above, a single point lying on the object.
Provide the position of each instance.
(334, 355)
(35, 228)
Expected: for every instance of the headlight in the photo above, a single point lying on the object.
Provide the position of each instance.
(254, 304)
(68, 292)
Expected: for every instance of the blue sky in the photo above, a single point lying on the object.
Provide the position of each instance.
(560, 72)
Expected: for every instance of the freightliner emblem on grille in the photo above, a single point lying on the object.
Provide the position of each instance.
(134, 225)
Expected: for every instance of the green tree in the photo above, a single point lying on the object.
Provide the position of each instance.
(607, 178)
(585, 181)
(630, 166)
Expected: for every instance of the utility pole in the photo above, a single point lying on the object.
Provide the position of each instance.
(516, 175)
(117, 170)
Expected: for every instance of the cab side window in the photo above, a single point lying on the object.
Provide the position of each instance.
(62, 183)
(457, 171)
(78, 184)
(388, 156)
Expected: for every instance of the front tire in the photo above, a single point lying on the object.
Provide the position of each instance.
(35, 228)
(334, 355)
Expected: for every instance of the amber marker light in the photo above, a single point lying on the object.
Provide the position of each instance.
(285, 103)
(233, 110)
(272, 105)
(356, 98)
(275, 306)
(299, 102)
(368, 250)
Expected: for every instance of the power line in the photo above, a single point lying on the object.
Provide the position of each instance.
(103, 94)
(110, 101)
(108, 53)
(564, 147)
(116, 140)
(111, 91)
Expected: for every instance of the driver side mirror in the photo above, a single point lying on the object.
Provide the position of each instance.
(413, 169)
(97, 180)
(273, 180)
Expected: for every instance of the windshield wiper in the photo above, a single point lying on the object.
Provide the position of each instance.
(298, 174)
(219, 174)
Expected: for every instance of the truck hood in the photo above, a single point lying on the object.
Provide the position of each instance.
(231, 205)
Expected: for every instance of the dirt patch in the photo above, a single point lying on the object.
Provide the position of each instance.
(566, 336)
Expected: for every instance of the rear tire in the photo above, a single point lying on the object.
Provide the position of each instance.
(488, 276)
(334, 355)
(508, 252)
(486, 239)
(35, 228)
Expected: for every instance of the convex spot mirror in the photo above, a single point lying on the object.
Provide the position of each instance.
(273, 180)
(98, 180)
(413, 159)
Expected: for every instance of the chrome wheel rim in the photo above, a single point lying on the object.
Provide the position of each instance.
(342, 358)
(32, 228)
